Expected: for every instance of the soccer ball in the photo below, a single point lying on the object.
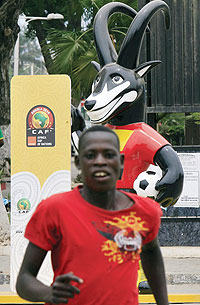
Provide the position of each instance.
(144, 184)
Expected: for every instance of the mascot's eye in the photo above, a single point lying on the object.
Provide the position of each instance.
(97, 80)
(117, 79)
(95, 83)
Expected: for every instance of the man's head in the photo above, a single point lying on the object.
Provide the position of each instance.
(99, 158)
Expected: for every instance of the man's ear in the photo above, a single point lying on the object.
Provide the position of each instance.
(77, 162)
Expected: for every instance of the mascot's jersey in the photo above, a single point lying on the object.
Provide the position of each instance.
(139, 142)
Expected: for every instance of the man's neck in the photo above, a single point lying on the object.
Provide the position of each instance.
(111, 200)
(104, 200)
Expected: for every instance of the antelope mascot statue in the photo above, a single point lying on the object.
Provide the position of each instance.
(117, 99)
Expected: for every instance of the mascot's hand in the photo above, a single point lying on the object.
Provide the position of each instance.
(78, 122)
(171, 184)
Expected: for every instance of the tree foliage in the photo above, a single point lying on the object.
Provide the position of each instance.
(177, 127)
(9, 13)
(171, 126)
(195, 117)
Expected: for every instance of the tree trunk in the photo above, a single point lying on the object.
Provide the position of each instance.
(9, 13)
(41, 35)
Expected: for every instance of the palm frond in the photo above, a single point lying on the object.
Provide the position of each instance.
(83, 72)
(64, 48)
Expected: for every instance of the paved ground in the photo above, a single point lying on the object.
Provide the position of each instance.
(183, 273)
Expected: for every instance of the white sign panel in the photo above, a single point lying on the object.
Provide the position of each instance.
(191, 188)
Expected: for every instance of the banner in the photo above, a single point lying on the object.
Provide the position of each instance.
(40, 154)
(190, 196)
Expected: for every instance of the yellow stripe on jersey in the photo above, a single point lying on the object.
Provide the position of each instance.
(123, 135)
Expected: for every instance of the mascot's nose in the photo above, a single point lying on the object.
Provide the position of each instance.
(89, 104)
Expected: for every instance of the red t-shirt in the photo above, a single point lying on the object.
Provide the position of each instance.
(100, 246)
(139, 142)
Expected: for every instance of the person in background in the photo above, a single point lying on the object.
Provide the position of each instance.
(1, 138)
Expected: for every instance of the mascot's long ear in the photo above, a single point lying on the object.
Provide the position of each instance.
(146, 67)
(104, 45)
(96, 65)
(130, 49)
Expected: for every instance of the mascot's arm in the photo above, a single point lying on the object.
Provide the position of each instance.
(77, 126)
(78, 122)
(171, 184)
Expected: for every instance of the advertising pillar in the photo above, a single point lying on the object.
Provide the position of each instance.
(40, 154)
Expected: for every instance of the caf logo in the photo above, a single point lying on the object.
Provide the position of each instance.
(40, 127)
(23, 205)
(40, 120)
(40, 117)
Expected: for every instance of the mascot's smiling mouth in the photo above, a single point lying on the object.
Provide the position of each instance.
(102, 114)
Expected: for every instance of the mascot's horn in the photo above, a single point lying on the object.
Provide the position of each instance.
(104, 46)
(130, 49)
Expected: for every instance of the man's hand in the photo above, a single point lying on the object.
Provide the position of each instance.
(30, 288)
(63, 288)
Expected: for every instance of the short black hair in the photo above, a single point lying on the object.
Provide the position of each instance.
(97, 128)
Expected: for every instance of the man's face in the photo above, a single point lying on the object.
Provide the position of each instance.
(100, 160)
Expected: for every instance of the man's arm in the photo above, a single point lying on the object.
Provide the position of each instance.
(153, 266)
(29, 288)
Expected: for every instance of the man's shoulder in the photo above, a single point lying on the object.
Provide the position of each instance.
(59, 199)
(150, 206)
(146, 205)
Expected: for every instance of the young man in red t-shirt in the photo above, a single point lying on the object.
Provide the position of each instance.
(96, 235)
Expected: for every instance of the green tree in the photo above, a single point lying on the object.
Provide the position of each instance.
(180, 128)
(9, 13)
(71, 10)
(171, 126)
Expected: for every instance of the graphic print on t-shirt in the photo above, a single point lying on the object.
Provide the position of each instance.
(124, 238)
